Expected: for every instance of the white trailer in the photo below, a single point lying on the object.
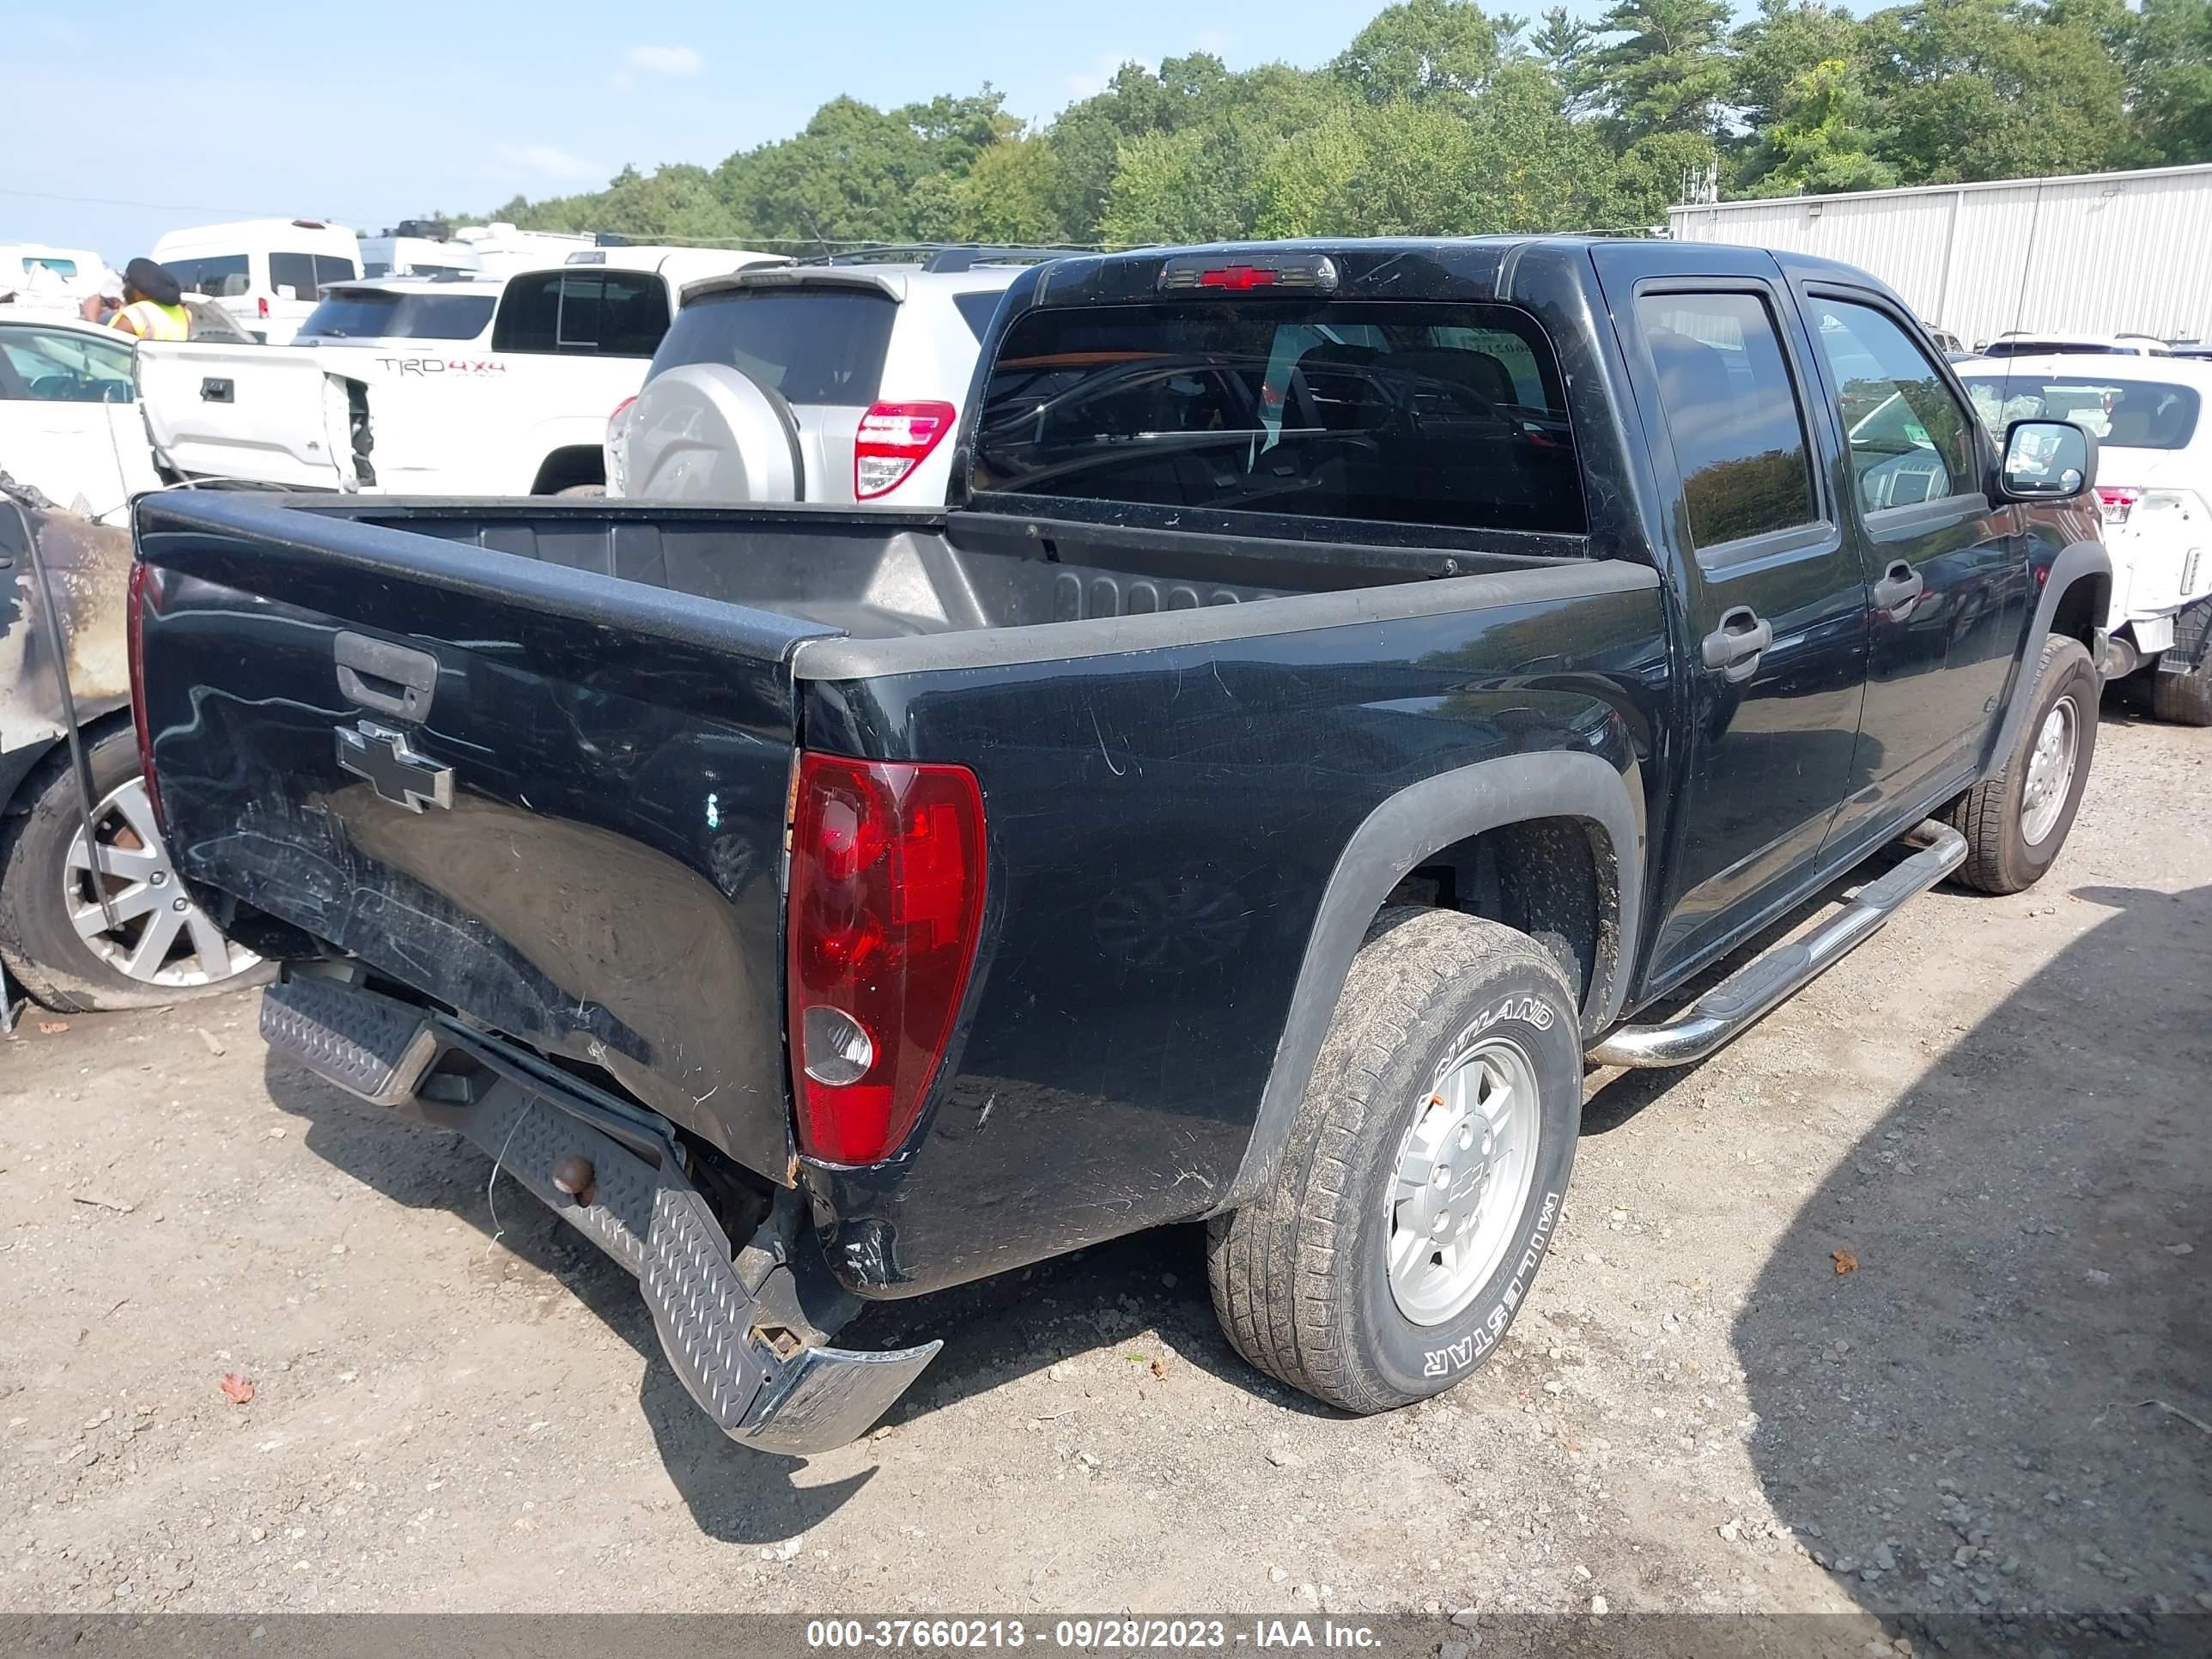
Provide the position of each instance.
(2095, 253)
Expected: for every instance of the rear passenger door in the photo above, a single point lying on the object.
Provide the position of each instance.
(1773, 596)
(1946, 572)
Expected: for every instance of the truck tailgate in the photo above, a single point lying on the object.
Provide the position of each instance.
(559, 808)
(271, 413)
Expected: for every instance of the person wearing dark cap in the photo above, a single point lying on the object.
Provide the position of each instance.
(152, 304)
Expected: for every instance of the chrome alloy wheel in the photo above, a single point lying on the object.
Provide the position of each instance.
(1463, 1176)
(159, 936)
(2051, 771)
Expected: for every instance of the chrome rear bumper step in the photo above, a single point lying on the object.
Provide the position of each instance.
(1737, 1002)
(623, 1186)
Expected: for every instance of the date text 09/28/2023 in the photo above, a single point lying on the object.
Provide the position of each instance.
(1089, 1635)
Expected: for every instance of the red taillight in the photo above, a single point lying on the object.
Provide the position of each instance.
(2118, 501)
(894, 439)
(1239, 277)
(886, 901)
(263, 303)
(621, 409)
(143, 596)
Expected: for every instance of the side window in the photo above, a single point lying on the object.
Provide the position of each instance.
(332, 268)
(1908, 435)
(218, 277)
(1732, 411)
(62, 367)
(294, 270)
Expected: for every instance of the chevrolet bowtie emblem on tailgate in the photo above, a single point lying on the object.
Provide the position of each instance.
(394, 770)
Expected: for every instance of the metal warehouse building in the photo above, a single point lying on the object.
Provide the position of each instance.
(2095, 253)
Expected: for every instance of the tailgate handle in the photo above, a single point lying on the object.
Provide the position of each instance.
(214, 390)
(392, 679)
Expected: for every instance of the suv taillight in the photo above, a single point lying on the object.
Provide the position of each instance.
(2118, 501)
(143, 596)
(262, 305)
(894, 439)
(885, 904)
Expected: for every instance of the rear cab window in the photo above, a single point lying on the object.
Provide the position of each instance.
(583, 312)
(823, 346)
(1367, 412)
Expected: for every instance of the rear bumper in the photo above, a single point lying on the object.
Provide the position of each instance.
(739, 1359)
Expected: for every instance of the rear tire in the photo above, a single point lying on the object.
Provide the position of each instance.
(2186, 699)
(1328, 1280)
(2016, 819)
(39, 943)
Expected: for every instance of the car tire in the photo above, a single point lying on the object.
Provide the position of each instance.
(2186, 699)
(39, 945)
(2016, 819)
(1438, 1009)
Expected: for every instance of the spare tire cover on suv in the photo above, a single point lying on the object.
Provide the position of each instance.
(707, 432)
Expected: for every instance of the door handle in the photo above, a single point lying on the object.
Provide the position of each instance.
(214, 390)
(1900, 585)
(1735, 647)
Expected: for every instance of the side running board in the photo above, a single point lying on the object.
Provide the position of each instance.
(1730, 1007)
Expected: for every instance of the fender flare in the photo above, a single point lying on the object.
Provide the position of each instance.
(2079, 562)
(1411, 826)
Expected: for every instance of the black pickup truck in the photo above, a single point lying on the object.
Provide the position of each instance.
(1356, 688)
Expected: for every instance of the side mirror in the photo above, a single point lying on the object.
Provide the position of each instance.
(2047, 461)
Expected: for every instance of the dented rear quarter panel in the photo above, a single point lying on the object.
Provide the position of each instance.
(87, 568)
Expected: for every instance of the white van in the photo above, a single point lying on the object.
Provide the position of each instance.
(502, 250)
(267, 273)
(417, 247)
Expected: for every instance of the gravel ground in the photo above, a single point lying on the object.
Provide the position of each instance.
(1995, 1110)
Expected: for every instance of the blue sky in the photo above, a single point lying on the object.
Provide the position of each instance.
(368, 114)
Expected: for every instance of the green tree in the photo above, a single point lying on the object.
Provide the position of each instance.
(1563, 45)
(1420, 48)
(1665, 71)
(2169, 69)
(1974, 89)
(1818, 138)
(1011, 194)
(1511, 160)
(1779, 46)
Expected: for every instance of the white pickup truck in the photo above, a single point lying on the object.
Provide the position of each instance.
(430, 386)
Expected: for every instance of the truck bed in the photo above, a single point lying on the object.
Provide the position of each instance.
(887, 575)
(587, 717)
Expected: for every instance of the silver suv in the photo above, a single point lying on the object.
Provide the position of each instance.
(840, 381)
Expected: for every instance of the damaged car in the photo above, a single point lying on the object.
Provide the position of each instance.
(92, 915)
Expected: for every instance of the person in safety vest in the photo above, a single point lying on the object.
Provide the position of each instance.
(152, 305)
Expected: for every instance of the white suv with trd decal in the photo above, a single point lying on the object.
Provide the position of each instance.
(449, 386)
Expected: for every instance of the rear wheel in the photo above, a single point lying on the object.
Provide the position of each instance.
(2186, 699)
(150, 944)
(1423, 1173)
(2016, 819)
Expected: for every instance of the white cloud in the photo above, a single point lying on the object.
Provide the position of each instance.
(547, 162)
(677, 63)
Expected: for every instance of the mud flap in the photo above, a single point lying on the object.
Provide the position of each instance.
(622, 1185)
